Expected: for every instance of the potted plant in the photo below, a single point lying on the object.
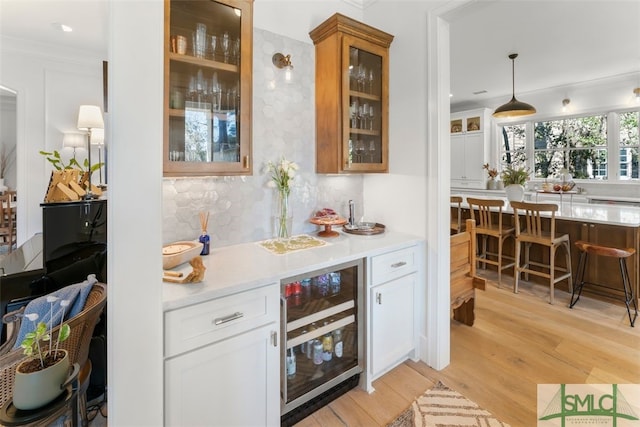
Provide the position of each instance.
(514, 180)
(39, 378)
(492, 184)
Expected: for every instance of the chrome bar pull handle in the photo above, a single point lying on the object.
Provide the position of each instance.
(399, 264)
(274, 338)
(379, 298)
(229, 318)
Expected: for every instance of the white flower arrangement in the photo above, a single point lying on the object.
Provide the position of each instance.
(283, 174)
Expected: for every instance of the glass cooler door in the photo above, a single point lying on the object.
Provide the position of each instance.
(321, 322)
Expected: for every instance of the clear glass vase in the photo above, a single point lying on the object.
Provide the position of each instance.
(282, 218)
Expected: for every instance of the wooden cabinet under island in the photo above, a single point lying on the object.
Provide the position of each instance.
(352, 96)
(207, 87)
(607, 225)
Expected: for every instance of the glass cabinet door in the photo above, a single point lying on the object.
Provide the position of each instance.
(366, 130)
(207, 91)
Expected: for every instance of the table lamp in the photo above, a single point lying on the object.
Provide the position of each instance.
(97, 138)
(89, 118)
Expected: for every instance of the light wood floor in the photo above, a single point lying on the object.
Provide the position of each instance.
(517, 341)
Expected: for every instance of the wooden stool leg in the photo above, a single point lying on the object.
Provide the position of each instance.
(579, 283)
(516, 268)
(628, 292)
(499, 261)
(552, 273)
(567, 248)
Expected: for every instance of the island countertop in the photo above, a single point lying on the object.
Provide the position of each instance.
(246, 266)
(623, 215)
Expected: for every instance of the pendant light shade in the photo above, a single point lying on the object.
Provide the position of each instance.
(514, 107)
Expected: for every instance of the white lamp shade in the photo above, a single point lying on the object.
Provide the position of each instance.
(97, 136)
(90, 117)
(73, 140)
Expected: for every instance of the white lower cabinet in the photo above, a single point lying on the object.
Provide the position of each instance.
(392, 323)
(392, 295)
(232, 380)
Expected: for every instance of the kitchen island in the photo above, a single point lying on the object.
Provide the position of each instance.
(602, 224)
(226, 338)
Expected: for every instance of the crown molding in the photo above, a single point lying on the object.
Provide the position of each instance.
(361, 4)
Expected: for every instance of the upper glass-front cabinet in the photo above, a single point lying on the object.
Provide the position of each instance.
(207, 102)
(352, 99)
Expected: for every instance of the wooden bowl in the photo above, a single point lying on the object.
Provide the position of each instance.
(177, 253)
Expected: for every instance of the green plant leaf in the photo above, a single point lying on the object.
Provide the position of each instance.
(65, 330)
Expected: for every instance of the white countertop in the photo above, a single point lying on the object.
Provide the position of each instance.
(623, 215)
(614, 199)
(247, 266)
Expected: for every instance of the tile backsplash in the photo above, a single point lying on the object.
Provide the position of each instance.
(240, 208)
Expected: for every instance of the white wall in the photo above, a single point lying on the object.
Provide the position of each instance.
(135, 375)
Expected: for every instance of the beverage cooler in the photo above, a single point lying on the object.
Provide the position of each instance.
(322, 330)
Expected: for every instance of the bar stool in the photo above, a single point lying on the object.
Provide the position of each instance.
(533, 233)
(587, 249)
(456, 222)
(486, 227)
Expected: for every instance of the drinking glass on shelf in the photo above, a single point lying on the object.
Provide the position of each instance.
(365, 117)
(371, 116)
(362, 76)
(200, 40)
(361, 117)
(226, 45)
(371, 78)
(360, 151)
(213, 44)
(372, 149)
(353, 110)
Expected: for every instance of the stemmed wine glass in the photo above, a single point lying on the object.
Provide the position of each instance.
(371, 77)
(362, 77)
(360, 150)
(225, 46)
(371, 115)
(372, 149)
(213, 44)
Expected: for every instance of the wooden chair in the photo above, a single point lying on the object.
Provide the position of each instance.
(456, 221)
(485, 210)
(534, 232)
(77, 345)
(464, 281)
(7, 222)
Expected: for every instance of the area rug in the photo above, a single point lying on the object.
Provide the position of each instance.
(443, 407)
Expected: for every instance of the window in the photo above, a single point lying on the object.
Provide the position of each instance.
(578, 144)
(596, 147)
(513, 147)
(629, 145)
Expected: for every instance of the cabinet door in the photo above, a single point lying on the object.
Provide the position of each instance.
(366, 98)
(391, 333)
(234, 382)
(457, 157)
(473, 156)
(208, 62)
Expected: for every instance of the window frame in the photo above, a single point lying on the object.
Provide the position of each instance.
(612, 146)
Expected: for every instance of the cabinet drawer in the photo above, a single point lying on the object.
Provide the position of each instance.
(201, 324)
(392, 265)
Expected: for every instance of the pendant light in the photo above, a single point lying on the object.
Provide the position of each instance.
(514, 107)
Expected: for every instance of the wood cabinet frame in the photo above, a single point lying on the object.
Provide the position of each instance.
(333, 40)
(245, 70)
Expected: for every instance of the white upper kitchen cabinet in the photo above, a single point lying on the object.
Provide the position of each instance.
(470, 136)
